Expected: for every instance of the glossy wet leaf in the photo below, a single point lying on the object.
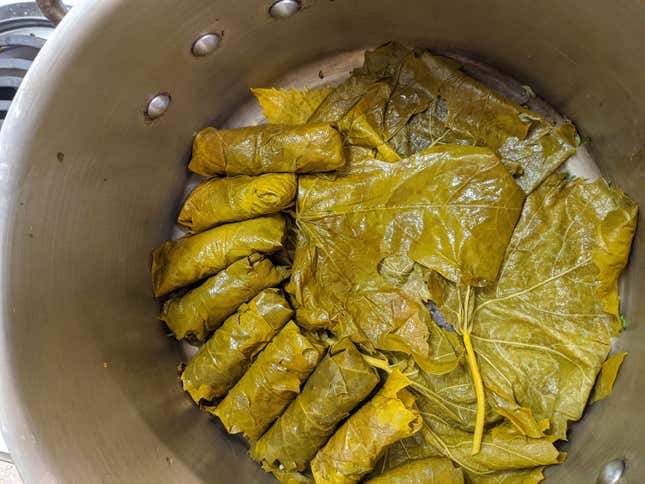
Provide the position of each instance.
(503, 447)
(224, 358)
(341, 381)
(201, 310)
(272, 381)
(290, 106)
(433, 470)
(267, 148)
(232, 199)
(542, 332)
(188, 260)
(522, 476)
(444, 207)
(431, 100)
(607, 377)
(354, 449)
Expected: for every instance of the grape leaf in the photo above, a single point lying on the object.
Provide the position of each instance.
(445, 206)
(542, 332)
(289, 106)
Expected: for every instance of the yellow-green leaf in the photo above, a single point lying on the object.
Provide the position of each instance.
(289, 106)
(607, 377)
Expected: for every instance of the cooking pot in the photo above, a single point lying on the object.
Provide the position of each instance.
(91, 177)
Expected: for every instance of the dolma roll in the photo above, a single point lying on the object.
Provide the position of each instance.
(268, 148)
(354, 449)
(272, 381)
(224, 358)
(201, 310)
(422, 471)
(334, 389)
(223, 200)
(190, 259)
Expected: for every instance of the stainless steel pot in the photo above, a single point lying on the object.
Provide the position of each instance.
(89, 185)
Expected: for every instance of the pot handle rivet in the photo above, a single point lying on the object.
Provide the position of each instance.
(611, 472)
(157, 106)
(284, 8)
(206, 44)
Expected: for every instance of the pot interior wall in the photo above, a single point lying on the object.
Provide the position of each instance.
(89, 187)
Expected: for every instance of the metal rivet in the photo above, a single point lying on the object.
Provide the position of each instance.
(205, 45)
(284, 8)
(157, 106)
(611, 472)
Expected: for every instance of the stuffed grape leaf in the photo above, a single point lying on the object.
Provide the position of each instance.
(445, 207)
(224, 358)
(433, 470)
(272, 381)
(267, 148)
(542, 332)
(341, 381)
(237, 198)
(198, 312)
(290, 106)
(192, 258)
(354, 449)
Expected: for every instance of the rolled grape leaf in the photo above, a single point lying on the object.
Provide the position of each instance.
(288, 477)
(237, 198)
(544, 329)
(351, 453)
(268, 148)
(290, 106)
(190, 259)
(445, 207)
(434, 470)
(224, 358)
(198, 312)
(272, 381)
(607, 377)
(341, 381)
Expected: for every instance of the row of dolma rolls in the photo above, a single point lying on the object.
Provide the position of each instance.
(309, 407)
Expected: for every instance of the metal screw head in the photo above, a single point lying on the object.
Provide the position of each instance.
(611, 472)
(157, 106)
(205, 45)
(284, 8)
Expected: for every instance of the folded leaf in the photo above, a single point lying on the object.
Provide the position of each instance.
(434, 470)
(542, 331)
(445, 207)
(432, 101)
(341, 381)
(272, 381)
(268, 148)
(201, 310)
(607, 377)
(354, 449)
(503, 448)
(190, 259)
(224, 358)
(523, 476)
(290, 106)
(237, 198)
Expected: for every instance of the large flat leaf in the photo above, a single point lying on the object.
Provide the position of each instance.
(542, 332)
(445, 207)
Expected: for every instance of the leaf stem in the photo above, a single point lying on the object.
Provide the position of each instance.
(479, 391)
